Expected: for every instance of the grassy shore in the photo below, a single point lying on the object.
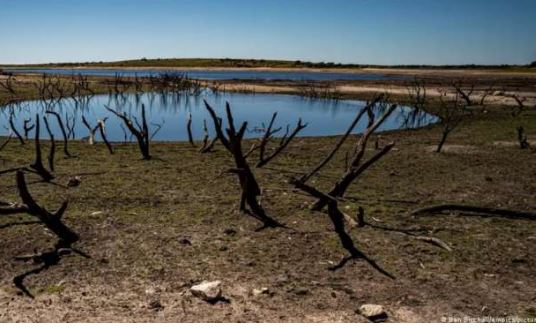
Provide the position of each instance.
(135, 218)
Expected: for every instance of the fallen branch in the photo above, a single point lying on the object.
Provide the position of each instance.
(436, 241)
(511, 214)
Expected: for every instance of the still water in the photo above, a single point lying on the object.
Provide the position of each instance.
(171, 111)
(222, 74)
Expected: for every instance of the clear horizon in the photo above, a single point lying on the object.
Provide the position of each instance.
(380, 32)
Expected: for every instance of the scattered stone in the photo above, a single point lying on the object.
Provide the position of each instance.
(74, 181)
(97, 213)
(229, 232)
(209, 291)
(155, 305)
(373, 312)
(263, 290)
(300, 291)
(185, 241)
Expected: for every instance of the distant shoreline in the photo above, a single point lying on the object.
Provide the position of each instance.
(386, 71)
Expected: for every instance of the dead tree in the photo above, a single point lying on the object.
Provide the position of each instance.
(52, 221)
(70, 124)
(464, 92)
(63, 132)
(268, 135)
(52, 151)
(207, 146)
(356, 164)
(338, 220)
(516, 112)
(522, 138)
(189, 129)
(451, 113)
(250, 188)
(141, 132)
(14, 129)
(91, 130)
(486, 93)
(37, 165)
(27, 127)
(100, 124)
(369, 106)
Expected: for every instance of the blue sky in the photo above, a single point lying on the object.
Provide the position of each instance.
(348, 31)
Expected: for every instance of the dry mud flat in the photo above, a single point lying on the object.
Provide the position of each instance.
(155, 228)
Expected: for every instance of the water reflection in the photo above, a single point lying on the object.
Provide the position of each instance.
(324, 117)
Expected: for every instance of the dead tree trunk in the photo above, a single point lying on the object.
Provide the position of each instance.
(522, 138)
(357, 167)
(337, 219)
(52, 221)
(207, 146)
(38, 163)
(369, 106)
(100, 125)
(27, 128)
(451, 114)
(52, 151)
(14, 129)
(63, 132)
(91, 130)
(141, 132)
(250, 188)
(189, 129)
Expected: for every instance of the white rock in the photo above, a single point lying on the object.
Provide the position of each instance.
(209, 291)
(372, 311)
(97, 213)
(257, 292)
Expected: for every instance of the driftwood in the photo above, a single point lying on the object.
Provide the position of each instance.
(435, 241)
(141, 132)
(511, 214)
(250, 188)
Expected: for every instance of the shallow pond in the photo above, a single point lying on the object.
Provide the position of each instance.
(222, 74)
(171, 111)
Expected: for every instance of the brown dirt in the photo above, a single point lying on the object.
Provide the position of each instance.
(150, 207)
